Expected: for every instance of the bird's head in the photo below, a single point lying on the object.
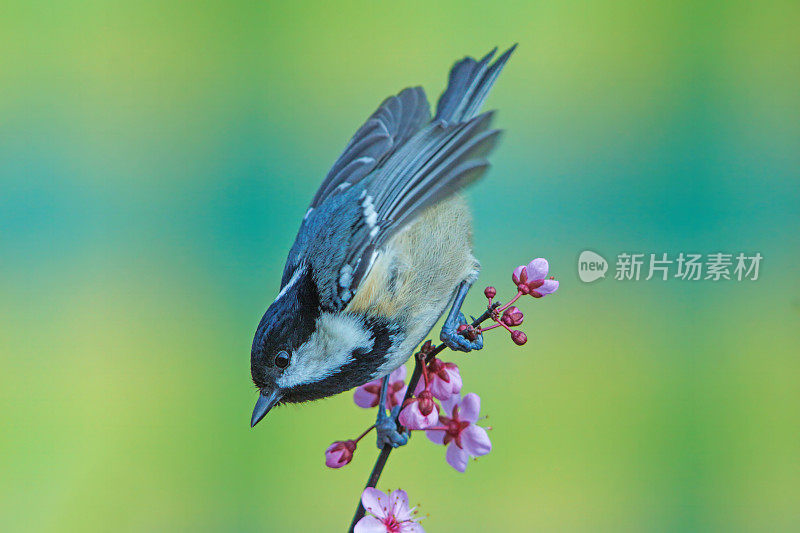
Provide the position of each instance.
(301, 352)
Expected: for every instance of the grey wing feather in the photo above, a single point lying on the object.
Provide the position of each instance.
(469, 85)
(428, 164)
(395, 121)
(393, 168)
(432, 166)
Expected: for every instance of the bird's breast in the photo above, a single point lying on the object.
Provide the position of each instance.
(414, 277)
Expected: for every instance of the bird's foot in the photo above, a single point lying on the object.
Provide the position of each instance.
(388, 430)
(456, 341)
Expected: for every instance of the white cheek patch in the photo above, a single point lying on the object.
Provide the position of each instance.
(327, 350)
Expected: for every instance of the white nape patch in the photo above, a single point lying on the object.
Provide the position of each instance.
(328, 349)
(310, 209)
(369, 212)
(346, 277)
(297, 273)
(343, 185)
(374, 231)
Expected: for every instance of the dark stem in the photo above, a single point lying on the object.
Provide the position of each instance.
(412, 384)
(364, 434)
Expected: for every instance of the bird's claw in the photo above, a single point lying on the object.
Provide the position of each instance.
(455, 341)
(387, 429)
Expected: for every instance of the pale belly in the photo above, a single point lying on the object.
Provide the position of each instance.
(422, 267)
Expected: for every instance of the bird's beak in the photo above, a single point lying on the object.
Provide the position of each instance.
(263, 405)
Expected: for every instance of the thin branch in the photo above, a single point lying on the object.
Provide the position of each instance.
(412, 385)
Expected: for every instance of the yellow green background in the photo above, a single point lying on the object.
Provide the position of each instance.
(155, 161)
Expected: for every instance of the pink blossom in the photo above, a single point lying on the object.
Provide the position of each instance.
(389, 513)
(458, 430)
(444, 379)
(512, 316)
(531, 278)
(339, 453)
(419, 412)
(368, 395)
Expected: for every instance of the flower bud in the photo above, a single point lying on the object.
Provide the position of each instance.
(519, 337)
(426, 405)
(426, 348)
(339, 453)
(512, 317)
(490, 292)
(412, 417)
(444, 379)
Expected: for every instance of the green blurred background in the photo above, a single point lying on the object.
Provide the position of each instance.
(156, 159)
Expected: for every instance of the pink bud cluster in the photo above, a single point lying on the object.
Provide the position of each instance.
(440, 380)
(529, 279)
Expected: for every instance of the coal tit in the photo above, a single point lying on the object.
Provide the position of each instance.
(384, 248)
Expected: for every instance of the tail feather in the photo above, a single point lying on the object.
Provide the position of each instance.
(469, 85)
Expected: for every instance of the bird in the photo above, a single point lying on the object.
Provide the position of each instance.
(384, 249)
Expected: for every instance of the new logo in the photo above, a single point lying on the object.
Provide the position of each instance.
(591, 266)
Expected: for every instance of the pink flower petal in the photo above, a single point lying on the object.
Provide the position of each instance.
(441, 389)
(436, 436)
(398, 501)
(432, 419)
(537, 269)
(364, 398)
(450, 403)
(411, 527)
(332, 462)
(410, 416)
(470, 407)
(333, 456)
(376, 502)
(456, 457)
(396, 398)
(369, 524)
(455, 379)
(517, 273)
(398, 374)
(548, 287)
(475, 440)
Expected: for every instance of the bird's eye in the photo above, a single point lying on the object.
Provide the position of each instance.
(282, 359)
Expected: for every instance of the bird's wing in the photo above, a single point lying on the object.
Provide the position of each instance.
(347, 224)
(430, 167)
(469, 85)
(393, 123)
